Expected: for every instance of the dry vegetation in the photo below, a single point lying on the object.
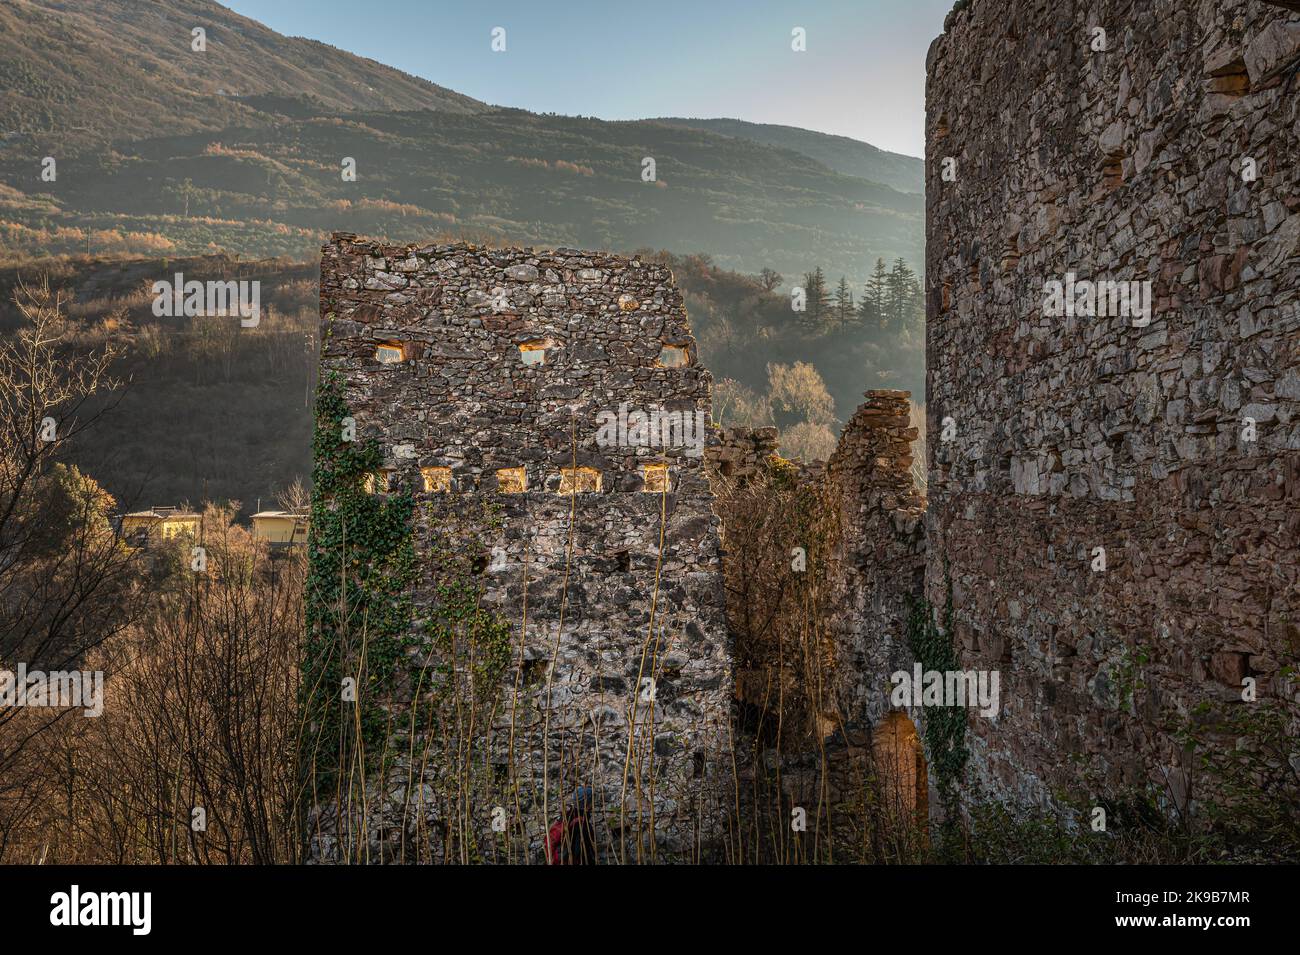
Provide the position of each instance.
(193, 759)
(796, 746)
(208, 409)
(199, 703)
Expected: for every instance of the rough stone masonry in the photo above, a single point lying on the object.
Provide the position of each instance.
(1153, 141)
(560, 390)
(1113, 495)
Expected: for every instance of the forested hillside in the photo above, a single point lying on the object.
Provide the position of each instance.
(505, 175)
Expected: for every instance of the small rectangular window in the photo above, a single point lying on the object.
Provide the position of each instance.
(436, 480)
(1231, 79)
(533, 353)
(654, 478)
(579, 480)
(672, 356)
(390, 353)
(1112, 170)
(512, 480)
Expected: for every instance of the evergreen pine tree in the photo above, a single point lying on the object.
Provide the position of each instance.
(842, 303)
(902, 292)
(818, 306)
(872, 310)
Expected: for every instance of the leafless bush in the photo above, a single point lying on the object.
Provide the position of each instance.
(191, 757)
(192, 760)
(65, 581)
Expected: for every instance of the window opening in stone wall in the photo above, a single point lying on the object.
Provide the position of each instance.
(1112, 170)
(1231, 79)
(512, 480)
(390, 353)
(672, 356)
(579, 480)
(437, 480)
(1011, 253)
(533, 353)
(382, 481)
(654, 478)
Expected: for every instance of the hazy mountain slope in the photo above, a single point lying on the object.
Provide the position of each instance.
(848, 156)
(503, 175)
(191, 170)
(90, 70)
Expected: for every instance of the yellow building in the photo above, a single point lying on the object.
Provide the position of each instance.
(162, 523)
(281, 527)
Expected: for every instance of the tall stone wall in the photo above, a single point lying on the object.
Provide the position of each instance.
(1173, 445)
(880, 554)
(620, 677)
(437, 349)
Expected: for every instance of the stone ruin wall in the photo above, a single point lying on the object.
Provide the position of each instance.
(1068, 433)
(875, 568)
(1074, 433)
(464, 399)
(878, 551)
(880, 555)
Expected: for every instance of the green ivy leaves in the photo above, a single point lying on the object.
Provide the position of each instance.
(358, 600)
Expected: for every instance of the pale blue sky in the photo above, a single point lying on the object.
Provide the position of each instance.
(863, 74)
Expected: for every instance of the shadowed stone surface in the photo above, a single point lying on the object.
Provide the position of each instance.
(1074, 433)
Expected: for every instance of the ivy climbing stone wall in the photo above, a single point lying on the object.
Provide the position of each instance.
(1152, 141)
(481, 375)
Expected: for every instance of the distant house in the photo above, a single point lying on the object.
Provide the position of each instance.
(160, 523)
(281, 527)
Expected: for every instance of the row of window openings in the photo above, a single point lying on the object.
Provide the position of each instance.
(580, 480)
(532, 353)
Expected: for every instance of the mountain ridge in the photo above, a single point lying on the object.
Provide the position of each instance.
(843, 154)
(106, 70)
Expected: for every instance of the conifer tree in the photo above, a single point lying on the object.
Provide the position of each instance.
(871, 312)
(842, 303)
(818, 305)
(902, 293)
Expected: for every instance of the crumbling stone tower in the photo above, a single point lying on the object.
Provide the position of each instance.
(557, 396)
(1161, 149)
